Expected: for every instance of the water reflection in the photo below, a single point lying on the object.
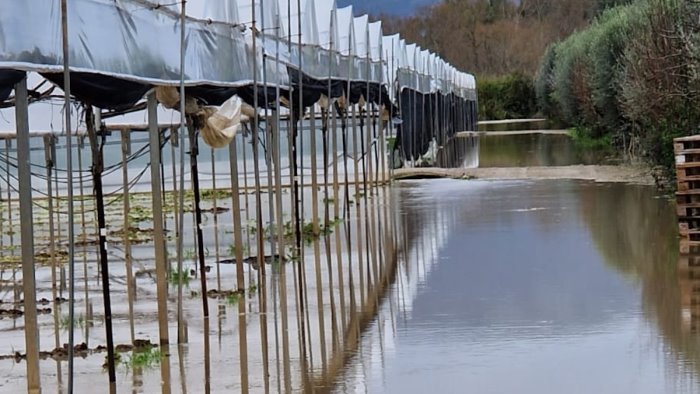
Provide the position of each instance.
(535, 149)
(534, 287)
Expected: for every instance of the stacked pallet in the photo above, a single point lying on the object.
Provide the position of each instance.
(689, 286)
(687, 151)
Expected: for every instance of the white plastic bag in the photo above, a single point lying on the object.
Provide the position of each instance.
(223, 123)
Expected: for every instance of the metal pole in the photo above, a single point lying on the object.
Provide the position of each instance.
(97, 167)
(69, 168)
(31, 329)
(194, 152)
(181, 327)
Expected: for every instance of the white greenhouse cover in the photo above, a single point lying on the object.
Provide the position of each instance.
(142, 44)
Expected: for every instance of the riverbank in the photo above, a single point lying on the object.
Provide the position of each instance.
(599, 173)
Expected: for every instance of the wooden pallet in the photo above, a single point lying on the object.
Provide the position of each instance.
(688, 262)
(689, 247)
(687, 152)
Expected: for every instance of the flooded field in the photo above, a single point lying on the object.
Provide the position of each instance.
(419, 286)
(533, 287)
(279, 326)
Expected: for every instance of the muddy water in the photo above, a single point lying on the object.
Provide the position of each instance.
(534, 149)
(532, 287)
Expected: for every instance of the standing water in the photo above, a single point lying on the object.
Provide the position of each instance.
(532, 287)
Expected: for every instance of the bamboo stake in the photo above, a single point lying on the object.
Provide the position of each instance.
(48, 154)
(31, 328)
(161, 264)
(181, 327)
(294, 125)
(358, 205)
(348, 225)
(173, 142)
(159, 241)
(367, 173)
(240, 279)
(373, 186)
(296, 251)
(126, 151)
(10, 219)
(262, 279)
(281, 261)
(336, 212)
(245, 188)
(316, 230)
(207, 352)
(83, 236)
(216, 221)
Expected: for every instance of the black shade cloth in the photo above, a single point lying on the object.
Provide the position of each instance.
(102, 91)
(8, 79)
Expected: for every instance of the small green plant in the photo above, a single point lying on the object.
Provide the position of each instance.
(177, 277)
(143, 359)
(117, 360)
(252, 288)
(189, 254)
(210, 194)
(232, 299)
(138, 214)
(584, 140)
(231, 250)
(64, 323)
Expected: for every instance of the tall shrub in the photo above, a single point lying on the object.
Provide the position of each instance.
(544, 84)
(507, 97)
(660, 88)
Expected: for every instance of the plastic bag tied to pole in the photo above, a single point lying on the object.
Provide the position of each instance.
(222, 123)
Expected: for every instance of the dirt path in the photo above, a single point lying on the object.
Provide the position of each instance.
(598, 173)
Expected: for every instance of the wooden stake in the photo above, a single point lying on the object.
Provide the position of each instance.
(240, 275)
(126, 151)
(31, 328)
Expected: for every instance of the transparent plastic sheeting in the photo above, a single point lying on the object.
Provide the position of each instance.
(127, 39)
(142, 43)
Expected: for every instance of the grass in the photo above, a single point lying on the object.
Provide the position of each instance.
(138, 214)
(233, 299)
(309, 234)
(189, 254)
(143, 359)
(252, 288)
(583, 140)
(64, 323)
(210, 194)
(177, 277)
(232, 250)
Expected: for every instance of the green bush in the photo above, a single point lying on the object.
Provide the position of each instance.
(631, 78)
(508, 97)
(570, 91)
(612, 31)
(544, 84)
